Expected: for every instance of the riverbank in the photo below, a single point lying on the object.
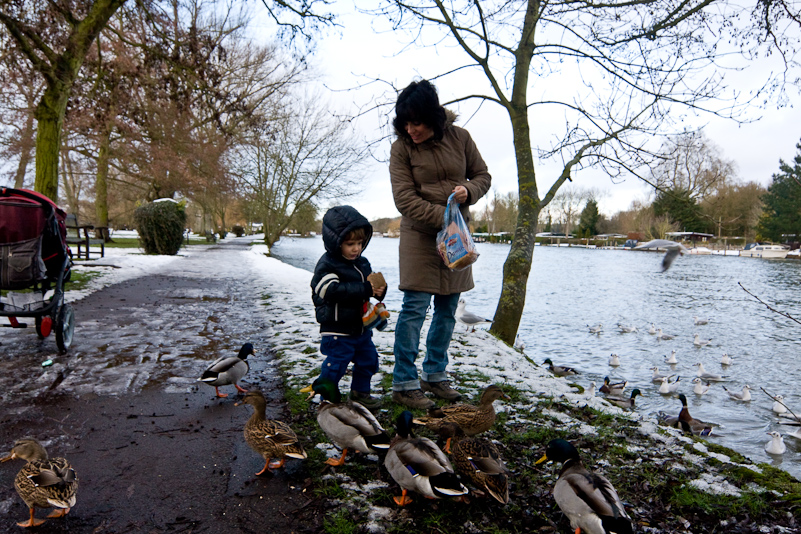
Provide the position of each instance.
(671, 482)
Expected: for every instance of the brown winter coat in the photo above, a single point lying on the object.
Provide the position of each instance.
(423, 176)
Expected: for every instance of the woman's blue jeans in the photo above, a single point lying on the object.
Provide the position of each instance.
(407, 338)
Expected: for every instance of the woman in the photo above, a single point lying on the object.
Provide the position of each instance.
(431, 159)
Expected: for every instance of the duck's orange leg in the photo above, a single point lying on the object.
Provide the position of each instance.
(239, 389)
(265, 468)
(59, 512)
(276, 464)
(447, 449)
(403, 500)
(33, 522)
(334, 462)
(220, 395)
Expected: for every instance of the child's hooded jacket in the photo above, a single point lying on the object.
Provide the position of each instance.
(339, 286)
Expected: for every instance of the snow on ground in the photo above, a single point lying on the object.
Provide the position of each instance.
(477, 358)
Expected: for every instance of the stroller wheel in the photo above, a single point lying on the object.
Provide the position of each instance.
(44, 325)
(65, 326)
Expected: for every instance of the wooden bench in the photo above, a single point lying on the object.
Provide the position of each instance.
(79, 235)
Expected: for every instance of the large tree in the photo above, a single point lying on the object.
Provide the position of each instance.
(55, 38)
(634, 68)
(781, 219)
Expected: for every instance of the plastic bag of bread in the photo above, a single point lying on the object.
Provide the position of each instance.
(454, 244)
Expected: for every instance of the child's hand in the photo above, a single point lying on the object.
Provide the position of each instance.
(378, 291)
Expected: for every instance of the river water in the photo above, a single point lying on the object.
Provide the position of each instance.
(571, 288)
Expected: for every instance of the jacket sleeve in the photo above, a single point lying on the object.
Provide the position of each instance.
(477, 176)
(327, 287)
(407, 199)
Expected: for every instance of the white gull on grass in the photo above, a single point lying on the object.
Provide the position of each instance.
(468, 318)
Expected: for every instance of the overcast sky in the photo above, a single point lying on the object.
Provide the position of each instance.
(356, 52)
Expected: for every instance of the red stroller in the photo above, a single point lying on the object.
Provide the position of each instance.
(35, 262)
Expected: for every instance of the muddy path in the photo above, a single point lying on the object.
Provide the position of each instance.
(154, 450)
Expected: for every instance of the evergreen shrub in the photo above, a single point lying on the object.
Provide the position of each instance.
(239, 231)
(161, 226)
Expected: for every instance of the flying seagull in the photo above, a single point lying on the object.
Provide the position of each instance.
(673, 250)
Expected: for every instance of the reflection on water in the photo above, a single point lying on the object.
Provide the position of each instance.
(572, 288)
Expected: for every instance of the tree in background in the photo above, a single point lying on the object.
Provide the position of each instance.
(303, 156)
(734, 209)
(55, 38)
(681, 207)
(781, 219)
(637, 67)
(589, 220)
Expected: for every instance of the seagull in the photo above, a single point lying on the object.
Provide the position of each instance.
(673, 250)
(657, 375)
(697, 321)
(776, 444)
(700, 387)
(468, 318)
(590, 391)
(698, 342)
(744, 395)
(595, 329)
(669, 388)
(778, 406)
(672, 358)
(626, 329)
(660, 335)
(519, 345)
(614, 361)
(652, 330)
(613, 389)
(794, 434)
(726, 359)
(709, 377)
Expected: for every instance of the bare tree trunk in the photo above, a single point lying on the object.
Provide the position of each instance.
(26, 145)
(101, 183)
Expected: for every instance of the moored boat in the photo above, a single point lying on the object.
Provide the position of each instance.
(764, 250)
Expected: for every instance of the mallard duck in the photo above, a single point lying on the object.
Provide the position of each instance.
(559, 370)
(685, 421)
(348, 425)
(588, 499)
(228, 370)
(417, 464)
(698, 342)
(776, 444)
(614, 360)
(478, 459)
(700, 387)
(744, 395)
(614, 389)
(669, 388)
(709, 377)
(271, 439)
(624, 402)
(43, 482)
(471, 419)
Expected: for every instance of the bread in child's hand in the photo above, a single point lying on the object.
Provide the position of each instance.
(377, 279)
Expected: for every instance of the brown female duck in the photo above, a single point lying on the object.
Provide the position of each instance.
(478, 459)
(43, 482)
(471, 419)
(271, 439)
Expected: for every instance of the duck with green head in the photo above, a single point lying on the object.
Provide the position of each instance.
(349, 425)
(588, 499)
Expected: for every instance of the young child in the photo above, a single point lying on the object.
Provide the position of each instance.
(340, 290)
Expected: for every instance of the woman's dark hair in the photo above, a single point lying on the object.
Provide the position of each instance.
(419, 103)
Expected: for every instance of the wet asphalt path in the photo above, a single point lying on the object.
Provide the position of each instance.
(154, 450)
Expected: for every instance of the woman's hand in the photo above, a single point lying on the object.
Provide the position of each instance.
(460, 194)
